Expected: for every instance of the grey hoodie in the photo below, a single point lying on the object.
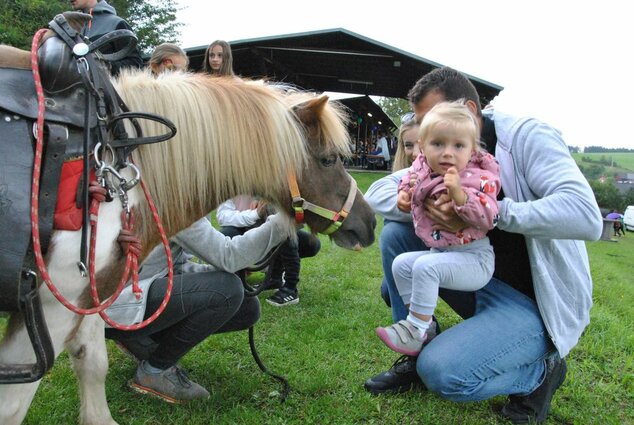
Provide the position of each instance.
(220, 252)
(104, 21)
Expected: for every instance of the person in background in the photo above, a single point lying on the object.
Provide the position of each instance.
(407, 148)
(618, 222)
(218, 59)
(452, 162)
(384, 148)
(241, 213)
(520, 326)
(105, 20)
(168, 57)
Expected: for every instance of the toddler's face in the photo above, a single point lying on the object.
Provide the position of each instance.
(448, 147)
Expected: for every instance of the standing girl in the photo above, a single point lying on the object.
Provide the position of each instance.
(218, 59)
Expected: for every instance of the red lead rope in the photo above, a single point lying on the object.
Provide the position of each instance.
(127, 223)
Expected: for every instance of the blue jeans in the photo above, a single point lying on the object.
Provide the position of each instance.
(500, 347)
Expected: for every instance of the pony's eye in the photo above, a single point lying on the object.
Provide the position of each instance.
(328, 161)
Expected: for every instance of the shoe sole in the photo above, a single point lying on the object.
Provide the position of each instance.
(292, 302)
(382, 334)
(145, 390)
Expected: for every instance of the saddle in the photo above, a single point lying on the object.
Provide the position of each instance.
(82, 109)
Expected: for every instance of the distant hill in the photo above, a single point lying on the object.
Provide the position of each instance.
(607, 164)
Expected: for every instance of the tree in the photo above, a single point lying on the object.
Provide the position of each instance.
(394, 108)
(628, 199)
(153, 21)
(20, 19)
(606, 194)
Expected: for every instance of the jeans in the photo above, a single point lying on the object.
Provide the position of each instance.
(500, 347)
(288, 258)
(201, 304)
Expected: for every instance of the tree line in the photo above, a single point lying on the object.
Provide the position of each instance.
(153, 21)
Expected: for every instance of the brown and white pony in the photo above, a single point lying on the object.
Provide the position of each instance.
(234, 137)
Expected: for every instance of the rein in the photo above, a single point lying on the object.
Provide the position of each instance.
(300, 205)
(99, 191)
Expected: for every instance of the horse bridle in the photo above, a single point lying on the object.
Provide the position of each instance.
(300, 205)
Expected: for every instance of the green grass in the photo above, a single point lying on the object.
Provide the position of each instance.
(624, 161)
(326, 347)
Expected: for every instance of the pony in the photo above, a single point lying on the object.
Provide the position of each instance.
(234, 137)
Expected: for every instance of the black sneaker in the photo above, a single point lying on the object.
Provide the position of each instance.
(269, 284)
(534, 407)
(283, 297)
(402, 376)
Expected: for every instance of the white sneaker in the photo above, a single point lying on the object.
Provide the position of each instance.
(402, 337)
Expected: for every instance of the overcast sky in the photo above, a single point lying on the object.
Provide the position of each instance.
(569, 63)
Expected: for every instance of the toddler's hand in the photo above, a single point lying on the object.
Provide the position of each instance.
(454, 188)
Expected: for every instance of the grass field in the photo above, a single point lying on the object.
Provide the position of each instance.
(624, 161)
(326, 347)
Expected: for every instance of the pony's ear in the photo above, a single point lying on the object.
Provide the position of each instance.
(309, 112)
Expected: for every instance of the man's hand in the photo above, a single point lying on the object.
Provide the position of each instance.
(441, 212)
(404, 201)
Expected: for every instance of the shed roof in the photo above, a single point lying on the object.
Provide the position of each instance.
(335, 60)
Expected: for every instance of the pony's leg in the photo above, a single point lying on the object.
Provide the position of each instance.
(15, 347)
(87, 349)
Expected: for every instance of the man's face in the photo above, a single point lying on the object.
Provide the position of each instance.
(82, 4)
(426, 103)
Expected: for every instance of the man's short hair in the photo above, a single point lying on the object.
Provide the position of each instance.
(452, 84)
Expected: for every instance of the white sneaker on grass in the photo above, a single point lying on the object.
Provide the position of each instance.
(402, 337)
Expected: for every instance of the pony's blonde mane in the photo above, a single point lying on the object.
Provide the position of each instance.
(233, 138)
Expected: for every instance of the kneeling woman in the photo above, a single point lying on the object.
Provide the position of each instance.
(206, 299)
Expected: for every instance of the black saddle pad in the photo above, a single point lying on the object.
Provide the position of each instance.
(16, 162)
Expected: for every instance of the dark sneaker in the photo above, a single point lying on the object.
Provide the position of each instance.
(399, 378)
(534, 407)
(171, 385)
(402, 375)
(269, 284)
(283, 297)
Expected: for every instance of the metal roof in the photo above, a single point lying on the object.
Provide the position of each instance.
(335, 60)
(372, 115)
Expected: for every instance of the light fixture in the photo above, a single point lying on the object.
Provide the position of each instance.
(367, 83)
(369, 114)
